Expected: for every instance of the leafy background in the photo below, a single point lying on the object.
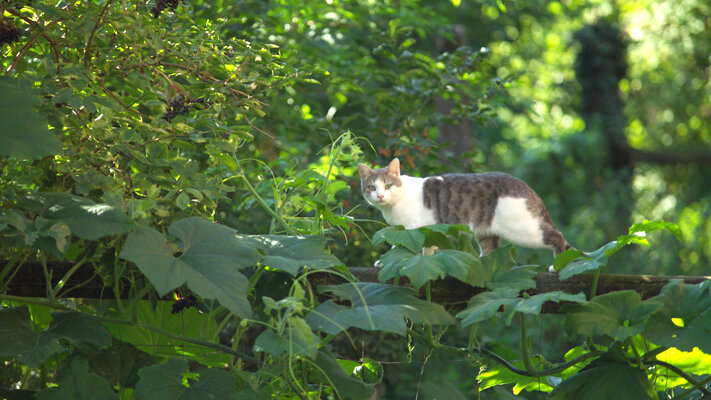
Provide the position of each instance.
(209, 149)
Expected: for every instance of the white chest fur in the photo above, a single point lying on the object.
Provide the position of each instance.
(407, 208)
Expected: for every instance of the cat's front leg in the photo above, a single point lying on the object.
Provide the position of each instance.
(487, 244)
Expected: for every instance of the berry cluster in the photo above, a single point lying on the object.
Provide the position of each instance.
(179, 105)
(162, 5)
(9, 33)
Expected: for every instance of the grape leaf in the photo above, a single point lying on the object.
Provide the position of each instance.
(619, 314)
(603, 379)
(211, 257)
(374, 306)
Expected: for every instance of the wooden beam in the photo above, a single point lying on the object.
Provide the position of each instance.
(29, 281)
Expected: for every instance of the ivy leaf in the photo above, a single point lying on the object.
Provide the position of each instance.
(211, 257)
(685, 320)
(411, 239)
(619, 314)
(170, 381)
(485, 305)
(291, 253)
(375, 306)
(19, 340)
(603, 379)
(24, 132)
(74, 382)
(330, 372)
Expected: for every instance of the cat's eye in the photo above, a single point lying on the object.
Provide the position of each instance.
(371, 188)
(388, 186)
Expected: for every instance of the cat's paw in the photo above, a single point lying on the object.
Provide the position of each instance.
(377, 264)
(551, 268)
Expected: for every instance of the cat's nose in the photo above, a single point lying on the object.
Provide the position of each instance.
(380, 196)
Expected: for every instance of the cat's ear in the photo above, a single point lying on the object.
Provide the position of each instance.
(364, 171)
(394, 167)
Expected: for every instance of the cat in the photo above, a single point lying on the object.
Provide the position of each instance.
(494, 205)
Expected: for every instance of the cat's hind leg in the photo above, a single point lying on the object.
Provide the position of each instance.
(487, 244)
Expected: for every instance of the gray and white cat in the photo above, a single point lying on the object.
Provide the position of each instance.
(493, 205)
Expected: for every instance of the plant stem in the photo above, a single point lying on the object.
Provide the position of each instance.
(593, 289)
(696, 384)
(525, 354)
(266, 207)
(69, 274)
(506, 364)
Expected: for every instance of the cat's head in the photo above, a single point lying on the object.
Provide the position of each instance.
(381, 187)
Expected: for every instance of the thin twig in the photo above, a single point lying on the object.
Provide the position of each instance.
(252, 125)
(93, 32)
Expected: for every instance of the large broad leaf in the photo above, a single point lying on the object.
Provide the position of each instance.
(86, 219)
(420, 269)
(499, 270)
(485, 305)
(693, 362)
(297, 339)
(166, 382)
(80, 328)
(74, 382)
(573, 262)
(620, 314)
(412, 239)
(685, 320)
(24, 132)
(189, 322)
(291, 253)
(211, 257)
(374, 306)
(19, 340)
(603, 379)
(330, 372)
(119, 364)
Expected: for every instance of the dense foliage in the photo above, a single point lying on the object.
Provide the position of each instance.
(205, 153)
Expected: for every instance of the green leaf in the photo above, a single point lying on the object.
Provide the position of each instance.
(80, 328)
(24, 131)
(211, 257)
(297, 339)
(291, 253)
(374, 306)
(690, 307)
(330, 373)
(411, 239)
(119, 364)
(420, 269)
(620, 314)
(85, 218)
(533, 304)
(603, 379)
(485, 305)
(19, 340)
(190, 322)
(693, 362)
(74, 382)
(589, 262)
(499, 375)
(171, 381)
